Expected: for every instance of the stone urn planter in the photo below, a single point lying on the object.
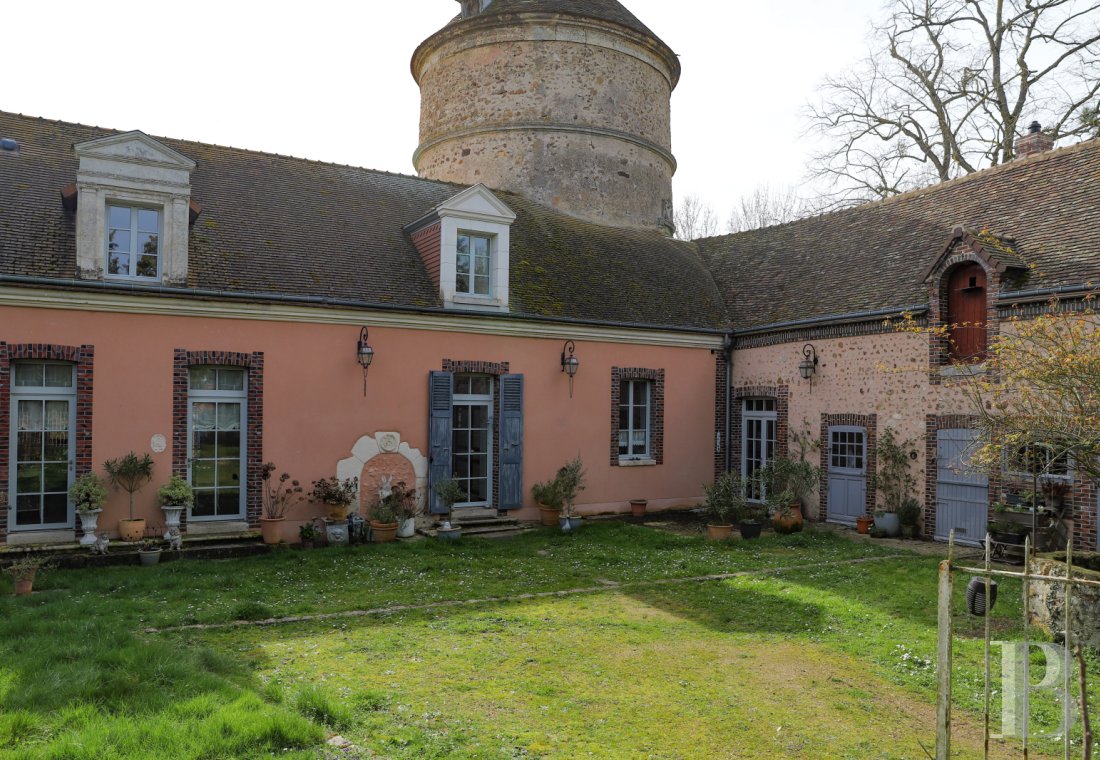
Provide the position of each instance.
(407, 528)
(570, 524)
(171, 519)
(336, 532)
(89, 520)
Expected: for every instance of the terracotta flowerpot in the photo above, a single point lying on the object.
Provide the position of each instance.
(549, 516)
(383, 532)
(637, 507)
(863, 524)
(790, 521)
(338, 512)
(719, 532)
(131, 530)
(272, 529)
(23, 586)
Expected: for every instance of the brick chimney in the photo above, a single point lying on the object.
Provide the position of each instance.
(1035, 141)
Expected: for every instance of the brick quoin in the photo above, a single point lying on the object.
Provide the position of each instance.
(722, 444)
(84, 358)
(657, 410)
(183, 361)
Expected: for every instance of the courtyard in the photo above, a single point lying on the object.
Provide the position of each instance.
(614, 642)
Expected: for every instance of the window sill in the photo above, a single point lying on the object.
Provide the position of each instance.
(963, 370)
(480, 303)
(637, 462)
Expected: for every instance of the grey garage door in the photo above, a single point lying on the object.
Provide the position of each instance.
(962, 494)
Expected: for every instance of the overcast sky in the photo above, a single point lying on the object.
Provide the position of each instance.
(330, 80)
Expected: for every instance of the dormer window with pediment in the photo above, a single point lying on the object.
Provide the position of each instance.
(133, 209)
(464, 243)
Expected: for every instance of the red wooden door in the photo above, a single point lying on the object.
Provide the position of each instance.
(966, 313)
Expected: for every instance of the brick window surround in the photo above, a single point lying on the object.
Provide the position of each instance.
(870, 423)
(939, 348)
(83, 357)
(657, 410)
(778, 393)
(183, 361)
(494, 370)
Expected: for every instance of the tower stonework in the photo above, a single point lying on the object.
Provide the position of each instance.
(564, 102)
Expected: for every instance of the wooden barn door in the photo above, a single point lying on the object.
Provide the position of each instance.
(966, 313)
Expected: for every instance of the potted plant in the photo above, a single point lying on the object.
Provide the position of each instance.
(750, 515)
(278, 496)
(570, 481)
(864, 523)
(307, 534)
(24, 570)
(789, 482)
(406, 503)
(130, 473)
(88, 495)
(548, 500)
(637, 507)
(149, 551)
(894, 482)
(337, 494)
(174, 497)
(392, 509)
(449, 491)
(909, 516)
(722, 498)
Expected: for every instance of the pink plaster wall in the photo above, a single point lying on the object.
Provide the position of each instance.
(884, 374)
(315, 411)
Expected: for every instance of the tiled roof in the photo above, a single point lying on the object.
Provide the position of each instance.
(874, 256)
(279, 225)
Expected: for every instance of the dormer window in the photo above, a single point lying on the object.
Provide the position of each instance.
(473, 267)
(133, 242)
(133, 209)
(965, 314)
(464, 243)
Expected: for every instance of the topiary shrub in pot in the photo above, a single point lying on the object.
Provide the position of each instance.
(570, 482)
(548, 500)
(724, 498)
(130, 473)
(174, 497)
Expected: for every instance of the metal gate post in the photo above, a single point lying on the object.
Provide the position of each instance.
(943, 659)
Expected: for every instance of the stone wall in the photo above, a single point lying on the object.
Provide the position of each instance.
(573, 113)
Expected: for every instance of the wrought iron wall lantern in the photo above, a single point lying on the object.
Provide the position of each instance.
(807, 368)
(570, 363)
(365, 355)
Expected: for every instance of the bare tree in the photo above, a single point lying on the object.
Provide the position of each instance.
(694, 219)
(948, 86)
(767, 206)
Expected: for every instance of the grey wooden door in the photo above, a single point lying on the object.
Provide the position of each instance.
(962, 493)
(847, 474)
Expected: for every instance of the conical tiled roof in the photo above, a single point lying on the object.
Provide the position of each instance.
(605, 10)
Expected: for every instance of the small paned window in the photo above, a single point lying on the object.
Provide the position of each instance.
(472, 265)
(133, 242)
(1046, 460)
(846, 450)
(634, 417)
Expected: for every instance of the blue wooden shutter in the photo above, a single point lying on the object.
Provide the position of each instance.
(511, 441)
(440, 396)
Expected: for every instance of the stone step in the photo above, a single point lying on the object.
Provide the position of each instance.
(498, 521)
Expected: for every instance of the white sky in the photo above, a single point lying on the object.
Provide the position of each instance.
(330, 80)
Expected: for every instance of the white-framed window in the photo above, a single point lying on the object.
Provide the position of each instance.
(472, 439)
(43, 445)
(133, 242)
(1048, 461)
(217, 441)
(758, 425)
(635, 413)
(473, 264)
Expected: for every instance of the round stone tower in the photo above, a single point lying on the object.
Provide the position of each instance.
(564, 102)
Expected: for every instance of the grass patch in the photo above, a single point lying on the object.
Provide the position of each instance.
(794, 664)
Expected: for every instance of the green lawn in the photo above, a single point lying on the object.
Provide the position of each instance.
(821, 662)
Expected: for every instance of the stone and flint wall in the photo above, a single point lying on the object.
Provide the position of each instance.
(570, 112)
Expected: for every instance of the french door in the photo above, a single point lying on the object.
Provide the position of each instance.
(472, 439)
(43, 416)
(217, 452)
